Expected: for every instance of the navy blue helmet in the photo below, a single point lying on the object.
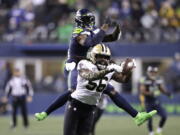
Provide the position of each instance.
(84, 18)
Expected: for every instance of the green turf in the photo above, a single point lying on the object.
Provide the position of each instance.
(109, 125)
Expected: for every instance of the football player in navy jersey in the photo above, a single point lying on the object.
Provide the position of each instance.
(151, 86)
(94, 74)
(85, 36)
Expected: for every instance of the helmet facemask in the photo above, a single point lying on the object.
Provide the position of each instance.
(85, 19)
(100, 56)
(152, 72)
(102, 61)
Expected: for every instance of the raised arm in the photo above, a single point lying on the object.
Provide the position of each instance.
(85, 38)
(114, 36)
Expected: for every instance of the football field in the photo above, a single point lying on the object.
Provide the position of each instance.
(109, 125)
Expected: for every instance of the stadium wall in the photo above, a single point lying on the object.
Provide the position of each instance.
(118, 50)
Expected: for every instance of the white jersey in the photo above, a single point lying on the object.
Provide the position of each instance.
(89, 92)
(16, 87)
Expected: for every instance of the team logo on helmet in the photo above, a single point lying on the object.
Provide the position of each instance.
(99, 55)
(84, 18)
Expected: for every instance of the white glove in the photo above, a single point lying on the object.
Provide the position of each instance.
(115, 67)
(132, 64)
(70, 66)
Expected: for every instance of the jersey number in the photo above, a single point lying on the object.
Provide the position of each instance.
(99, 87)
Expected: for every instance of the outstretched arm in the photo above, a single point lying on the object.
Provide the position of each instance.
(127, 67)
(116, 35)
(85, 38)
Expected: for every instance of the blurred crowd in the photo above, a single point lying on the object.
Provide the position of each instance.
(31, 21)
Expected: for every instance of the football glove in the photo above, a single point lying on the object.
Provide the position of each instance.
(40, 116)
(70, 66)
(114, 67)
(128, 65)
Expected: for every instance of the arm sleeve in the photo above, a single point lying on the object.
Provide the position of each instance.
(8, 89)
(28, 87)
(60, 101)
(120, 101)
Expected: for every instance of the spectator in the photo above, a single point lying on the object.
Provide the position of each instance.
(28, 21)
(64, 30)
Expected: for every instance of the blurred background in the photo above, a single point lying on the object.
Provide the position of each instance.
(34, 36)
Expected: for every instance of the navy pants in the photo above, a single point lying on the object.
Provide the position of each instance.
(161, 112)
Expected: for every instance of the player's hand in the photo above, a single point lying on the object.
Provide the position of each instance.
(40, 116)
(128, 65)
(4, 99)
(105, 27)
(29, 99)
(114, 67)
(106, 24)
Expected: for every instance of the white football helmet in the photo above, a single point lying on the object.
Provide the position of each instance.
(100, 55)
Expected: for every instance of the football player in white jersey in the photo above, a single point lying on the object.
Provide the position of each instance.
(94, 74)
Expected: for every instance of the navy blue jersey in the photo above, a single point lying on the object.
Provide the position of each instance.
(153, 86)
(77, 51)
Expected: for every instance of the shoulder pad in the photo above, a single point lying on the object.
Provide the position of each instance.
(83, 64)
